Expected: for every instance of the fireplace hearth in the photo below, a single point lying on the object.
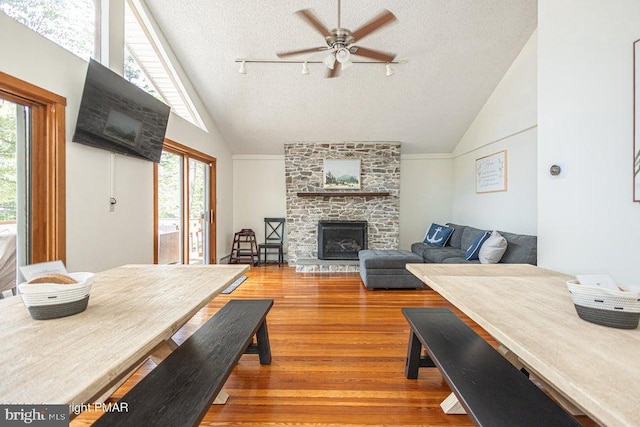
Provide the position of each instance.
(341, 240)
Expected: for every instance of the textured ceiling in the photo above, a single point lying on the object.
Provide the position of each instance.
(456, 51)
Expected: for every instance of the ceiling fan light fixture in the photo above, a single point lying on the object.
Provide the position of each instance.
(329, 61)
(389, 71)
(305, 68)
(243, 68)
(343, 55)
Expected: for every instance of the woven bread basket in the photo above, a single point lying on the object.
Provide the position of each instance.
(51, 300)
(616, 309)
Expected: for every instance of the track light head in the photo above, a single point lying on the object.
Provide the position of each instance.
(243, 68)
(389, 71)
(305, 68)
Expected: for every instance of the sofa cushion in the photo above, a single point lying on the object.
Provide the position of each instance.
(521, 249)
(402, 279)
(459, 260)
(419, 248)
(468, 236)
(380, 258)
(437, 235)
(456, 236)
(473, 250)
(436, 255)
(493, 249)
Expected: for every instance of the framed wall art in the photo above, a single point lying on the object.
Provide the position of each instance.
(491, 173)
(341, 174)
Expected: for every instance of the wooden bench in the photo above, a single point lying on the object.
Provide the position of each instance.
(180, 390)
(491, 390)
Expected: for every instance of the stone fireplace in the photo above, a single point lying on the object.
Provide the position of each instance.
(377, 202)
(341, 239)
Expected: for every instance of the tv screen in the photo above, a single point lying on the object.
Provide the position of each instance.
(118, 116)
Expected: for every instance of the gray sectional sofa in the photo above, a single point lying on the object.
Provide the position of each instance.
(521, 248)
(386, 268)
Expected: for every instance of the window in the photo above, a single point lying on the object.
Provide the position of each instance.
(147, 65)
(68, 23)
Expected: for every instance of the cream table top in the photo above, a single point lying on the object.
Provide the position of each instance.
(132, 309)
(529, 311)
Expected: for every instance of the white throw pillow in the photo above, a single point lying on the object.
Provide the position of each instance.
(492, 249)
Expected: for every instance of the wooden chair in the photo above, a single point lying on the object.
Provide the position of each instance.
(244, 249)
(273, 239)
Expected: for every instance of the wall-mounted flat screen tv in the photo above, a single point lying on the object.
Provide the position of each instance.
(118, 116)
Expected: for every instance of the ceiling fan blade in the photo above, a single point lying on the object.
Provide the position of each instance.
(335, 72)
(308, 16)
(373, 54)
(301, 51)
(383, 18)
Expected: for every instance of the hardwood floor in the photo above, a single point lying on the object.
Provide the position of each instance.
(338, 357)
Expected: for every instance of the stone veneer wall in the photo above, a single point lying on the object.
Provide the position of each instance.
(379, 171)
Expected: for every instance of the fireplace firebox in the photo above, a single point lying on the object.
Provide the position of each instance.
(341, 239)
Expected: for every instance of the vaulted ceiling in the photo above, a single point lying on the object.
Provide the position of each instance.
(456, 52)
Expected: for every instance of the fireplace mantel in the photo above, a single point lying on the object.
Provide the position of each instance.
(344, 194)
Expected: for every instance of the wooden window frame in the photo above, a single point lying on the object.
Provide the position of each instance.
(48, 169)
(187, 153)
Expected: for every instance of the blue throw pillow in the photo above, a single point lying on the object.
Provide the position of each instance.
(438, 235)
(474, 249)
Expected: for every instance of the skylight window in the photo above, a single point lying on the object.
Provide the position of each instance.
(148, 66)
(68, 23)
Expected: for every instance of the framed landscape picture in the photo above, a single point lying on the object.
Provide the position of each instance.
(341, 174)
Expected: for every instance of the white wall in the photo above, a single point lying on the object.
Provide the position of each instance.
(587, 220)
(426, 182)
(425, 193)
(96, 238)
(507, 121)
(259, 192)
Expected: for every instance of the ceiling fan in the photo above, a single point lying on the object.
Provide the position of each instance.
(341, 41)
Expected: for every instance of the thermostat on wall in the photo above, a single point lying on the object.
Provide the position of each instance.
(557, 170)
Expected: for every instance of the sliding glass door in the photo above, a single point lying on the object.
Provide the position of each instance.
(185, 216)
(15, 164)
(199, 207)
(169, 212)
(32, 176)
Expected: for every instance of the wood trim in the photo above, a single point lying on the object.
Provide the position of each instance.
(29, 92)
(187, 153)
(186, 249)
(343, 194)
(156, 222)
(48, 171)
(213, 217)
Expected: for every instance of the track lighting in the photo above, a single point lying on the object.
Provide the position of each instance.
(389, 70)
(341, 56)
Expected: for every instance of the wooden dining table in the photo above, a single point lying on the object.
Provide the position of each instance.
(133, 312)
(529, 311)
